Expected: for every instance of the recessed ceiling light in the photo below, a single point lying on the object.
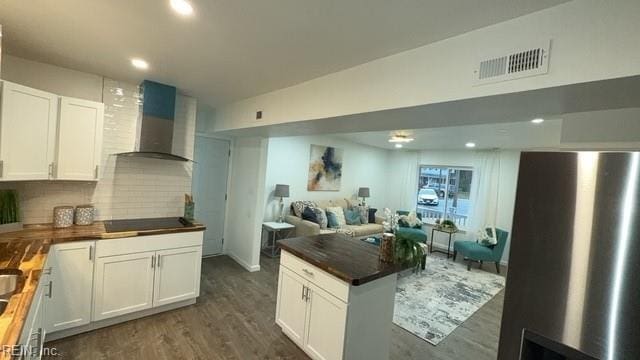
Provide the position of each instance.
(140, 64)
(537, 121)
(182, 7)
(398, 146)
(470, 144)
(399, 138)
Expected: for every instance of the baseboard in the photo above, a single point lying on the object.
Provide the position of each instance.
(116, 320)
(244, 264)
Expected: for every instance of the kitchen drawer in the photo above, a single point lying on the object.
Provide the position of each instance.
(314, 274)
(138, 244)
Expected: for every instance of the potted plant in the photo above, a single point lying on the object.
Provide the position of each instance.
(408, 252)
(448, 225)
(9, 211)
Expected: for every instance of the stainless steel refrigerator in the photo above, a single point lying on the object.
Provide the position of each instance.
(573, 285)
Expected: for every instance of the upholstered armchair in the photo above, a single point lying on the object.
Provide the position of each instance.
(474, 251)
(415, 233)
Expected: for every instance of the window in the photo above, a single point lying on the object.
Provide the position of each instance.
(444, 193)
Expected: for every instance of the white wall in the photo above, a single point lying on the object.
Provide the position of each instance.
(55, 79)
(592, 40)
(613, 128)
(245, 204)
(129, 187)
(205, 118)
(288, 163)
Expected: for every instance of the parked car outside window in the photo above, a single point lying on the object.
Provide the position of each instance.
(428, 197)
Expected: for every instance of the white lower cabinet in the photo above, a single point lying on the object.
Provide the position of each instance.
(91, 281)
(123, 284)
(292, 305)
(177, 275)
(146, 272)
(68, 291)
(33, 333)
(328, 318)
(314, 319)
(326, 324)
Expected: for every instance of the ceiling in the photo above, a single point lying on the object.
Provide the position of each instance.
(234, 49)
(517, 135)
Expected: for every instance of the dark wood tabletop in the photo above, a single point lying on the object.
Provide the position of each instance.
(351, 260)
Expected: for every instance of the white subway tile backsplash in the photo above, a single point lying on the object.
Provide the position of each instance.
(128, 187)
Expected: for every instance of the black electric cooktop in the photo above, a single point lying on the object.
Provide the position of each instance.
(145, 224)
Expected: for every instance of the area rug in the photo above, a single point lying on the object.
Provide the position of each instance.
(432, 304)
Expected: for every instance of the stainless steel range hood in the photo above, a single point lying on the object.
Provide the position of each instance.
(154, 133)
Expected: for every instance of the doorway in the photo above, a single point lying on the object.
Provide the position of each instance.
(210, 175)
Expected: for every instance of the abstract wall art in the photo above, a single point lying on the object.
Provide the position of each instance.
(325, 168)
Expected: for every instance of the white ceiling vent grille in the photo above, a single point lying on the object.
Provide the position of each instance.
(517, 64)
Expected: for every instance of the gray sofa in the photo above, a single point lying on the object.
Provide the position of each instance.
(308, 228)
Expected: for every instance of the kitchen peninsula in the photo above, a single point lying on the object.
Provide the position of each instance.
(335, 298)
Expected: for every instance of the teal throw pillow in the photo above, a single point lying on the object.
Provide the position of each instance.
(352, 217)
(332, 221)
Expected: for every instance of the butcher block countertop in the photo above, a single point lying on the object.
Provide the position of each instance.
(351, 260)
(27, 250)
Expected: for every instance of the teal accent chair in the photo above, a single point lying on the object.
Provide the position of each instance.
(474, 251)
(416, 233)
(413, 233)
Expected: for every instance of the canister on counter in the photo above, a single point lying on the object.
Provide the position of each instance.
(62, 216)
(84, 214)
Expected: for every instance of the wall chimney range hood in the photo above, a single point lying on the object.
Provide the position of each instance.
(154, 131)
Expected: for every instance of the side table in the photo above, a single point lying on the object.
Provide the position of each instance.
(446, 231)
(273, 229)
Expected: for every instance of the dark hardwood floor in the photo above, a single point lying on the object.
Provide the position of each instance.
(234, 319)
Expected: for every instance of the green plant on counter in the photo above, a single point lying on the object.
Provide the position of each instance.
(9, 211)
(408, 252)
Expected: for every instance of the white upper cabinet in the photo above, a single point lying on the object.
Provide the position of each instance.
(79, 139)
(47, 137)
(27, 133)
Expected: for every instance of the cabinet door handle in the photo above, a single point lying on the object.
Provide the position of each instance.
(52, 169)
(308, 272)
(1, 168)
(96, 172)
(38, 336)
(41, 337)
(90, 252)
(306, 295)
(303, 290)
(153, 261)
(50, 292)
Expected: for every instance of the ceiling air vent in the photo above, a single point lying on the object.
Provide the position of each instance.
(517, 64)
